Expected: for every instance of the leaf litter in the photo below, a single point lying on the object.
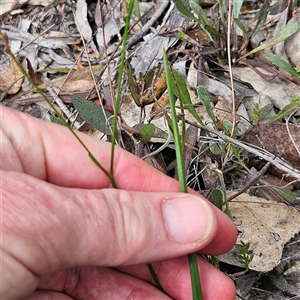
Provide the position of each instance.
(59, 39)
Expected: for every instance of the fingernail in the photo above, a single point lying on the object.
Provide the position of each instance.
(188, 219)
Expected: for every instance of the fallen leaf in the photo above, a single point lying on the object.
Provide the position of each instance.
(223, 111)
(276, 139)
(11, 78)
(267, 226)
(159, 87)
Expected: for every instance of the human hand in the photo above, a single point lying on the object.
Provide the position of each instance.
(66, 234)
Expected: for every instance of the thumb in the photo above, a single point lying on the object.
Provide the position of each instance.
(47, 228)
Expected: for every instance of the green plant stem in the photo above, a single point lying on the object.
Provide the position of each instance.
(39, 91)
(192, 258)
(195, 278)
(119, 86)
(176, 135)
(155, 278)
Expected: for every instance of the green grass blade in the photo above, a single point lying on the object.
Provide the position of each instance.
(176, 135)
(237, 4)
(195, 278)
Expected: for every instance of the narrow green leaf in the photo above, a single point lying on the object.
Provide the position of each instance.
(222, 11)
(261, 17)
(282, 64)
(288, 109)
(93, 114)
(137, 10)
(184, 10)
(203, 95)
(217, 197)
(265, 111)
(174, 126)
(199, 12)
(244, 30)
(178, 87)
(133, 86)
(160, 134)
(149, 77)
(287, 31)
(287, 195)
(227, 211)
(227, 125)
(56, 120)
(237, 4)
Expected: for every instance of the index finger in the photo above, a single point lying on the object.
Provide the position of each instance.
(50, 152)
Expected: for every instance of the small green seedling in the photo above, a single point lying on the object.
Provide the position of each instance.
(245, 258)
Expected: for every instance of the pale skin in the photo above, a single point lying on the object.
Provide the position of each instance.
(67, 234)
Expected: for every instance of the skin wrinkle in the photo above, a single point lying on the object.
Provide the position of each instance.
(27, 224)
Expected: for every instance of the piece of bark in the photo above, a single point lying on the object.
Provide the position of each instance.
(276, 139)
(150, 54)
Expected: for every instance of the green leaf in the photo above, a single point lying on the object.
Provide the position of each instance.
(237, 4)
(287, 31)
(265, 111)
(178, 87)
(261, 17)
(287, 195)
(217, 197)
(203, 95)
(227, 125)
(199, 12)
(184, 10)
(282, 64)
(56, 120)
(149, 76)
(133, 86)
(227, 211)
(244, 30)
(290, 108)
(93, 114)
(146, 133)
(215, 149)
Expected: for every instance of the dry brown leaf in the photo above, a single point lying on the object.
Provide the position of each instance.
(79, 85)
(223, 111)
(157, 109)
(11, 78)
(159, 88)
(276, 139)
(278, 91)
(292, 46)
(267, 225)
